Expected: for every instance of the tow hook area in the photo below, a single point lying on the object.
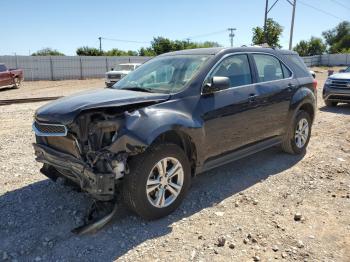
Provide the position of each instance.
(99, 214)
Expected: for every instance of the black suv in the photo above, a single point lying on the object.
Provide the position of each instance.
(176, 116)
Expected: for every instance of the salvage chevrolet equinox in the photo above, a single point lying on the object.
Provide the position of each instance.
(177, 115)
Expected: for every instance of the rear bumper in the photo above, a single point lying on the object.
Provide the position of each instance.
(99, 186)
(336, 94)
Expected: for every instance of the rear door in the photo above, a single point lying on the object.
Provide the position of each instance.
(274, 89)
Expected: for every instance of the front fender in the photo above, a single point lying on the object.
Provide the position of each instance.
(143, 126)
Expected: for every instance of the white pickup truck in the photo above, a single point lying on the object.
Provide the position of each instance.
(119, 72)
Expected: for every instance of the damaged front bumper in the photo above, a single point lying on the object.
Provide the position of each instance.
(100, 186)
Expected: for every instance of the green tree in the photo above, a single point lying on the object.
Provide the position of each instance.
(302, 48)
(146, 52)
(338, 38)
(274, 31)
(47, 52)
(88, 51)
(117, 52)
(314, 46)
(161, 45)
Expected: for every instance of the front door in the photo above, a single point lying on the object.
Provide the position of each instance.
(230, 116)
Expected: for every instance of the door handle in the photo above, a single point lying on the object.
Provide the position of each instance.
(252, 98)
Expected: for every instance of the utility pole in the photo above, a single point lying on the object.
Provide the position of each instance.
(100, 38)
(231, 35)
(292, 26)
(265, 21)
(188, 40)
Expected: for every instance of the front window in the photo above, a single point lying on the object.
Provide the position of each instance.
(236, 68)
(165, 74)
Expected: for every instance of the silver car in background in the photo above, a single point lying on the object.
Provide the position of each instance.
(119, 72)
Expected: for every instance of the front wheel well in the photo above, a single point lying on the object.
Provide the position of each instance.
(182, 140)
(309, 109)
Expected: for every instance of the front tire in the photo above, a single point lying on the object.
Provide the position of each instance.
(298, 136)
(17, 83)
(157, 182)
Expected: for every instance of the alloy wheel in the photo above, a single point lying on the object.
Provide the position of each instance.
(301, 132)
(165, 182)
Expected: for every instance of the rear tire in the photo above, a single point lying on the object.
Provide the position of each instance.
(330, 103)
(296, 140)
(150, 192)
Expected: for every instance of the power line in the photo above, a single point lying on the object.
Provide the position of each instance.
(341, 4)
(208, 34)
(320, 10)
(125, 41)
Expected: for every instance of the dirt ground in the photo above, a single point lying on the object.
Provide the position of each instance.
(31, 89)
(269, 206)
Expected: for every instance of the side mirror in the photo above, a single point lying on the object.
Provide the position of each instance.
(217, 83)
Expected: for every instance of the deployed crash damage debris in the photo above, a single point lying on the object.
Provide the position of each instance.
(99, 214)
(92, 155)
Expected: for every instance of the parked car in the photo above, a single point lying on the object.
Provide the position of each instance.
(10, 77)
(178, 115)
(119, 72)
(337, 88)
(312, 73)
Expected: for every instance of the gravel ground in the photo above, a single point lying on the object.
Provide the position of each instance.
(269, 206)
(31, 89)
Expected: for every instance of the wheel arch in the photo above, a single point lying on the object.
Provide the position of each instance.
(303, 99)
(184, 141)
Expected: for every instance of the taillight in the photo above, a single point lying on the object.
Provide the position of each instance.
(314, 83)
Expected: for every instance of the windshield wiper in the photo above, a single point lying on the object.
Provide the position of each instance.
(135, 88)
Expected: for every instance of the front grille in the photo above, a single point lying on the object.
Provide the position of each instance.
(114, 76)
(41, 129)
(340, 84)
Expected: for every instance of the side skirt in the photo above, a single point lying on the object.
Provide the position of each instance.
(239, 153)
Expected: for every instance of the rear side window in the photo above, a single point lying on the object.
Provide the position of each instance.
(236, 68)
(270, 68)
(3, 68)
(299, 65)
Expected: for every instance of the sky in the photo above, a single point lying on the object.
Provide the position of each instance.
(65, 25)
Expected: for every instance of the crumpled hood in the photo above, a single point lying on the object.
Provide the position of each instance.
(340, 76)
(64, 110)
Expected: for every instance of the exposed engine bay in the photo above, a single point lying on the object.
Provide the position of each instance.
(92, 154)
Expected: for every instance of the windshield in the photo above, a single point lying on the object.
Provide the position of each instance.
(124, 67)
(165, 74)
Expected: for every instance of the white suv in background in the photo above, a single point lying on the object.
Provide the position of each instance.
(119, 72)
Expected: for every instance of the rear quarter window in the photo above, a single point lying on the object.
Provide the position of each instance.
(298, 64)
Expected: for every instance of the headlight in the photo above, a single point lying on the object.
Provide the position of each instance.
(328, 81)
